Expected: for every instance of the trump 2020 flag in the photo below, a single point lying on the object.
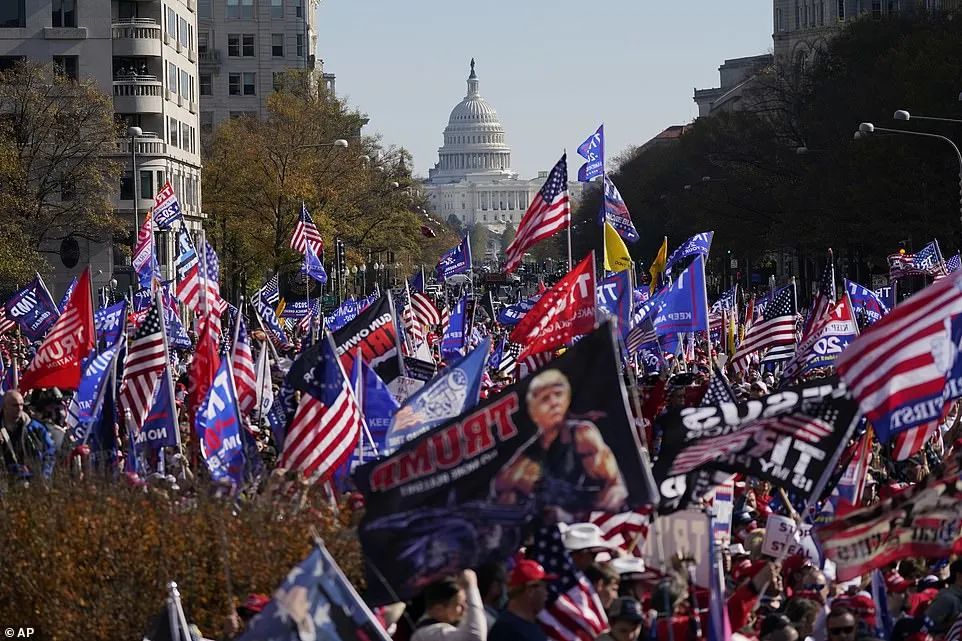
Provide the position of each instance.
(312, 265)
(378, 406)
(452, 343)
(160, 426)
(614, 299)
(614, 211)
(166, 207)
(454, 391)
(592, 150)
(33, 309)
(456, 260)
(683, 305)
(869, 308)
(144, 259)
(66, 295)
(84, 407)
(699, 244)
(109, 323)
(218, 427)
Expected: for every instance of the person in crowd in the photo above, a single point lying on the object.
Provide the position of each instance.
(492, 584)
(947, 605)
(841, 624)
(604, 578)
(631, 574)
(802, 613)
(28, 449)
(527, 596)
(584, 543)
(777, 627)
(453, 611)
(624, 620)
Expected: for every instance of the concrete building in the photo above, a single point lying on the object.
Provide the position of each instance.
(735, 77)
(244, 45)
(144, 54)
(473, 180)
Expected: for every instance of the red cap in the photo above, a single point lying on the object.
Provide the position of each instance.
(896, 584)
(255, 602)
(793, 564)
(889, 490)
(528, 571)
(861, 606)
(742, 569)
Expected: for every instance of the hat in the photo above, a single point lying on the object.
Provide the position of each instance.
(930, 581)
(861, 605)
(528, 571)
(760, 386)
(895, 583)
(629, 568)
(625, 608)
(737, 549)
(584, 536)
(255, 602)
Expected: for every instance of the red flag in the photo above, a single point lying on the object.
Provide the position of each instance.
(204, 366)
(57, 363)
(563, 312)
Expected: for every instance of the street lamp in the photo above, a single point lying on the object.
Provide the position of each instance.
(905, 116)
(134, 133)
(363, 270)
(866, 128)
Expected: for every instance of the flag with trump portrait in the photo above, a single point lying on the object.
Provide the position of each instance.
(458, 495)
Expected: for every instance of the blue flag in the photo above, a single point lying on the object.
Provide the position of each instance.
(177, 336)
(315, 596)
(219, 430)
(34, 309)
(344, 314)
(66, 295)
(699, 244)
(683, 305)
(456, 260)
(143, 298)
(86, 403)
(869, 308)
(109, 323)
(511, 315)
(298, 309)
(615, 211)
(378, 406)
(416, 283)
(614, 298)
(265, 312)
(886, 294)
(312, 265)
(452, 343)
(452, 392)
(160, 427)
(592, 150)
(494, 361)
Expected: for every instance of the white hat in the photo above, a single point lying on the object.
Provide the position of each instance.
(737, 549)
(628, 566)
(584, 536)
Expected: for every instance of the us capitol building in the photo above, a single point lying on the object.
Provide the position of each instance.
(473, 180)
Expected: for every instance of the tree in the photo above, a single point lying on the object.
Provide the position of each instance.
(455, 224)
(480, 234)
(507, 236)
(58, 165)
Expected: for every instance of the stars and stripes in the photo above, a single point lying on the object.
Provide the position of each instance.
(955, 632)
(627, 530)
(549, 212)
(146, 360)
(243, 364)
(641, 334)
(188, 271)
(305, 232)
(911, 441)
(425, 311)
(776, 332)
(954, 263)
(271, 291)
(573, 610)
(719, 391)
(327, 423)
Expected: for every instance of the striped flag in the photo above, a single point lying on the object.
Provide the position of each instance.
(954, 263)
(825, 296)
(146, 360)
(306, 233)
(549, 212)
(509, 358)
(188, 271)
(425, 311)
(627, 530)
(955, 632)
(243, 364)
(912, 440)
(899, 368)
(573, 610)
(532, 363)
(327, 423)
(719, 391)
(775, 331)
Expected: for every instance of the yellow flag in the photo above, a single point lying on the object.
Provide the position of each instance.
(281, 304)
(658, 265)
(616, 253)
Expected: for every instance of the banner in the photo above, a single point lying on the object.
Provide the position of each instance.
(85, 405)
(451, 393)
(614, 211)
(457, 496)
(453, 341)
(614, 299)
(109, 323)
(344, 314)
(683, 305)
(592, 150)
(869, 307)
(34, 309)
(456, 260)
(160, 427)
(218, 428)
(617, 257)
(564, 311)
(699, 244)
(921, 521)
(789, 438)
(378, 406)
(511, 315)
(830, 335)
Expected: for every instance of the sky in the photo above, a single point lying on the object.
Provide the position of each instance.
(552, 70)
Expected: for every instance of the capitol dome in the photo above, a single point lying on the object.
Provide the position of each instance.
(474, 143)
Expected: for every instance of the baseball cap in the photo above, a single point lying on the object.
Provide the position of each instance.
(528, 571)
(625, 608)
(255, 602)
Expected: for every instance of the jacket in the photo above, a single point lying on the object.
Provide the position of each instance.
(944, 609)
(473, 626)
(28, 443)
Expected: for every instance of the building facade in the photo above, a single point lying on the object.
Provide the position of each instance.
(735, 78)
(473, 181)
(144, 54)
(244, 45)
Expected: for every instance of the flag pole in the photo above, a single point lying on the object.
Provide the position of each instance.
(158, 301)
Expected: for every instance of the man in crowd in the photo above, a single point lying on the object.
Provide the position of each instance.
(28, 450)
(527, 596)
(453, 611)
(947, 606)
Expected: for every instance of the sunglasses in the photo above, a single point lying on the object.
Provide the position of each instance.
(814, 586)
(846, 630)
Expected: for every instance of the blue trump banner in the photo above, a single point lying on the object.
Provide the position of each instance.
(265, 311)
(66, 295)
(699, 244)
(344, 314)
(511, 315)
(33, 309)
(614, 299)
(312, 265)
(378, 406)
(218, 427)
(452, 343)
(109, 323)
(869, 307)
(297, 309)
(683, 305)
(452, 392)
(615, 211)
(160, 428)
(456, 260)
(887, 295)
(592, 150)
(85, 406)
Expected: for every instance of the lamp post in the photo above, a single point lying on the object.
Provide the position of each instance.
(866, 128)
(134, 133)
(363, 270)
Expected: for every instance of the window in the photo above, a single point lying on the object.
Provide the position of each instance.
(840, 9)
(248, 45)
(171, 23)
(233, 8)
(234, 84)
(67, 66)
(13, 14)
(184, 84)
(233, 45)
(64, 13)
(171, 77)
(160, 179)
(204, 9)
(127, 186)
(203, 40)
(798, 15)
(277, 8)
(299, 8)
(147, 184)
(193, 141)
(184, 136)
(277, 45)
(172, 130)
(249, 84)
(182, 33)
(300, 45)
(876, 9)
(206, 84)
(240, 8)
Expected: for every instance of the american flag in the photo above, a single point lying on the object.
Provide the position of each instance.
(6, 323)
(146, 360)
(549, 212)
(825, 296)
(893, 364)
(444, 318)
(954, 263)
(776, 331)
(328, 422)
(719, 391)
(243, 364)
(627, 530)
(573, 610)
(955, 632)
(425, 312)
(166, 207)
(927, 261)
(727, 300)
(911, 441)
(509, 358)
(641, 334)
(188, 271)
(306, 232)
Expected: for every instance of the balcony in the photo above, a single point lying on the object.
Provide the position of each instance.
(209, 57)
(138, 94)
(148, 144)
(136, 37)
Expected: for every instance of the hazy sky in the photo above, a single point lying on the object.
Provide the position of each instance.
(553, 69)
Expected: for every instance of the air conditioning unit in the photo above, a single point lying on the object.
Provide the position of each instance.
(168, 95)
